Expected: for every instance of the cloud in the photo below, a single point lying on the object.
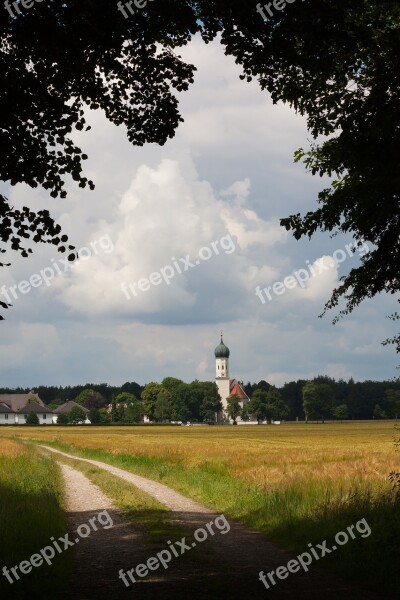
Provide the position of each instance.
(338, 371)
(32, 343)
(167, 214)
(323, 277)
(228, 171)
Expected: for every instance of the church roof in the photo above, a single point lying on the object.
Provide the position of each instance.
(222, 351)
(236, 388)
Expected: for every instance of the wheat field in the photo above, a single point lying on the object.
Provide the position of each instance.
(295, 483)
(268, 456)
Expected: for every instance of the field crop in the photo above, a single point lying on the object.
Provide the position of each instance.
(297, 483)
(31, 511)
(267, 456)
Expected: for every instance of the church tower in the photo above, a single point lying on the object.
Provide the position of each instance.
(222, 371)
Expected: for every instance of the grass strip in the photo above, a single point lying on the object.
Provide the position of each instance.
(31, 512)
(145, 512)
(292, 516)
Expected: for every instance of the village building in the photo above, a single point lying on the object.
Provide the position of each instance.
(66, 407)
(15, 408)
(227, 387)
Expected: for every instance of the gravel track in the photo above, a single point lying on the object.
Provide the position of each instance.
(226, 566)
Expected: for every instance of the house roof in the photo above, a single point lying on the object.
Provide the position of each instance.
(236, 388)
(5, 409)
(35, 408)
(18, 401)
(66, 407)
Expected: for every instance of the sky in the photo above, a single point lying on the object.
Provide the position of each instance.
(179, 242)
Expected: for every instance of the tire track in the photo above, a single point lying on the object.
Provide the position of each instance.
(235, 559)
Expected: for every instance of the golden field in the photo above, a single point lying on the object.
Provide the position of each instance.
(10, 449)
(268, 456)
(295, 483)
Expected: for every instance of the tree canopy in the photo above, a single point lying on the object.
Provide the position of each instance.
(90, 399)
(318, 400)
(198, 401)
(334, 61)
(233, 407)
(76, 415)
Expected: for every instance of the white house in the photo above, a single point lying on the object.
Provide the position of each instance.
(7, 415)
(66, 407)
(44, 415)
(15, 408)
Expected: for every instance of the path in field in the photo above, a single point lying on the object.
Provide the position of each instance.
(94, 567)
(226, 566)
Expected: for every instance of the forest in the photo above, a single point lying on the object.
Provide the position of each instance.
(198, 401)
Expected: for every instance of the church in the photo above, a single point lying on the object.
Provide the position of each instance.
(226, 387)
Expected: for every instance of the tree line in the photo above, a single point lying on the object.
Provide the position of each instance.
(174, 400)
(326, 398)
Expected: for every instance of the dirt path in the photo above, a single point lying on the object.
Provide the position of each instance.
(226, 565)
(92, 571)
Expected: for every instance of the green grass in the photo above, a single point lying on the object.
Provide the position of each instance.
(292, 516)
(31, 512)
(145, 512)
(296, 483)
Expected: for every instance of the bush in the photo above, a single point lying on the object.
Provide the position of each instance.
(32, 419)
(77, 415)
(63, 419)
(94, 415)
